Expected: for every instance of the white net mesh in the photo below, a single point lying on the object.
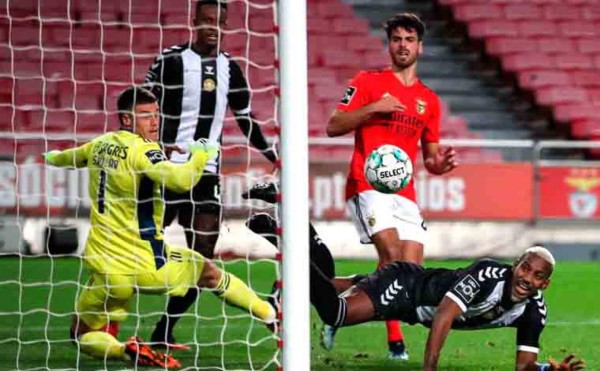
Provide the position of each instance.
(62, 65)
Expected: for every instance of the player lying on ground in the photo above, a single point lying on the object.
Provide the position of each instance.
(486, 294)
(125, 250)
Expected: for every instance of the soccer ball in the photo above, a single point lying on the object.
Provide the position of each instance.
(388, 169)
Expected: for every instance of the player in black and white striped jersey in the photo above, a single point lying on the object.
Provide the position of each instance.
(195, 83)
(486, 294)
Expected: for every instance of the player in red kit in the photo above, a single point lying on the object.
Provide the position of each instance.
(391, 106)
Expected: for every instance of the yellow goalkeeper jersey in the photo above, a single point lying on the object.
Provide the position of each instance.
(126, 177)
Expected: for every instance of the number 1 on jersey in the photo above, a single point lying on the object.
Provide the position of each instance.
(101, 191)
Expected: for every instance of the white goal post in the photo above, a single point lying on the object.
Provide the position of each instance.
(294, 182)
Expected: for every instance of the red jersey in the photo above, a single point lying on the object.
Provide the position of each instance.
(419, 121)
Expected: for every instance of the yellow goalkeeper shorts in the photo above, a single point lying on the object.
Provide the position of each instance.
(106, 296)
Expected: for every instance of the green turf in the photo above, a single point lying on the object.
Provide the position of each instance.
(37, 296)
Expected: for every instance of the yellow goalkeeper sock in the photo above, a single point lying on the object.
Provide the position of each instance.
(99, 344)
(236, 293)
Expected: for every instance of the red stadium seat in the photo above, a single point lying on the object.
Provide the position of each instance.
(569, 112)
(141, 12)
(591, 12)
(589, 46)
(579, 29)
(54, 9)
(18, 118)
(175, 36)
(320, 42)
(186, 7)
(58, 64)
(522, 11)
(261, 78)
(364, 43)
(115, 38)
(317, 75)
(506, 2)
(88, 66)
(374, 59)
(82, 95)
(327, 93)
(262, 24)
(29, 92)
(235, 41)
(86, 37)
(594, 94)
(7, 123)
(546, 2)
(537, 28)
(454, 127)
(507, 45)
(493, 28)
(6, 90)
(582, 129)
(317, 119)
(473, 12)
(85, 6)
(561, 95)
(559, 12)
(22, 9)
(24, 32)
(26, 62)
(586, 78)
(146, 40)
(3, 32)
(350, 26)
(574, 61)
(59, 121)
(318, 26)
(528, 61)
(583, 2)
(333, 9)
(95, 122)
(544, 78)
(56, 35)
(339, 58)
(554, 45)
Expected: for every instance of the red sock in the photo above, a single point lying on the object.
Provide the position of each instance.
(394, 331)
(112, 328)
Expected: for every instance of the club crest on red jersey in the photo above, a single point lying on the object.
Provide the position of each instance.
(421, 106)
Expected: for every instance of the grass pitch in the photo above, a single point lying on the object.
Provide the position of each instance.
(37, 297)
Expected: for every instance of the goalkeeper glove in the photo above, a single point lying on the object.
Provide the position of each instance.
(49, 156)
(204, 145)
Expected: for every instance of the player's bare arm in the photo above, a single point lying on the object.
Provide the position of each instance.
(439, 160)
(341, 122)
(252, 131)
(527, 361)
(445, 314)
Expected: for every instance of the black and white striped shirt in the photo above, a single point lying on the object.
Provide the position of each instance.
(193, 93)
(482, 291)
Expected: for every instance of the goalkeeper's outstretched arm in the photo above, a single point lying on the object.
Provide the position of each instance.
(73, 157)
(176, 177)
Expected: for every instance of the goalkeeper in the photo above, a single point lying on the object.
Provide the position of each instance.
(125, 250)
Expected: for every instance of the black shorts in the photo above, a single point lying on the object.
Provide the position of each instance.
(204, 198)
(391, 289)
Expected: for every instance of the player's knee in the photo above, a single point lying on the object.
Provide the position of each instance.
(211, 275)
(329, 314)
(389, 254)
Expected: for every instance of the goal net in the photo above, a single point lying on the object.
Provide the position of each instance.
(62, 65)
